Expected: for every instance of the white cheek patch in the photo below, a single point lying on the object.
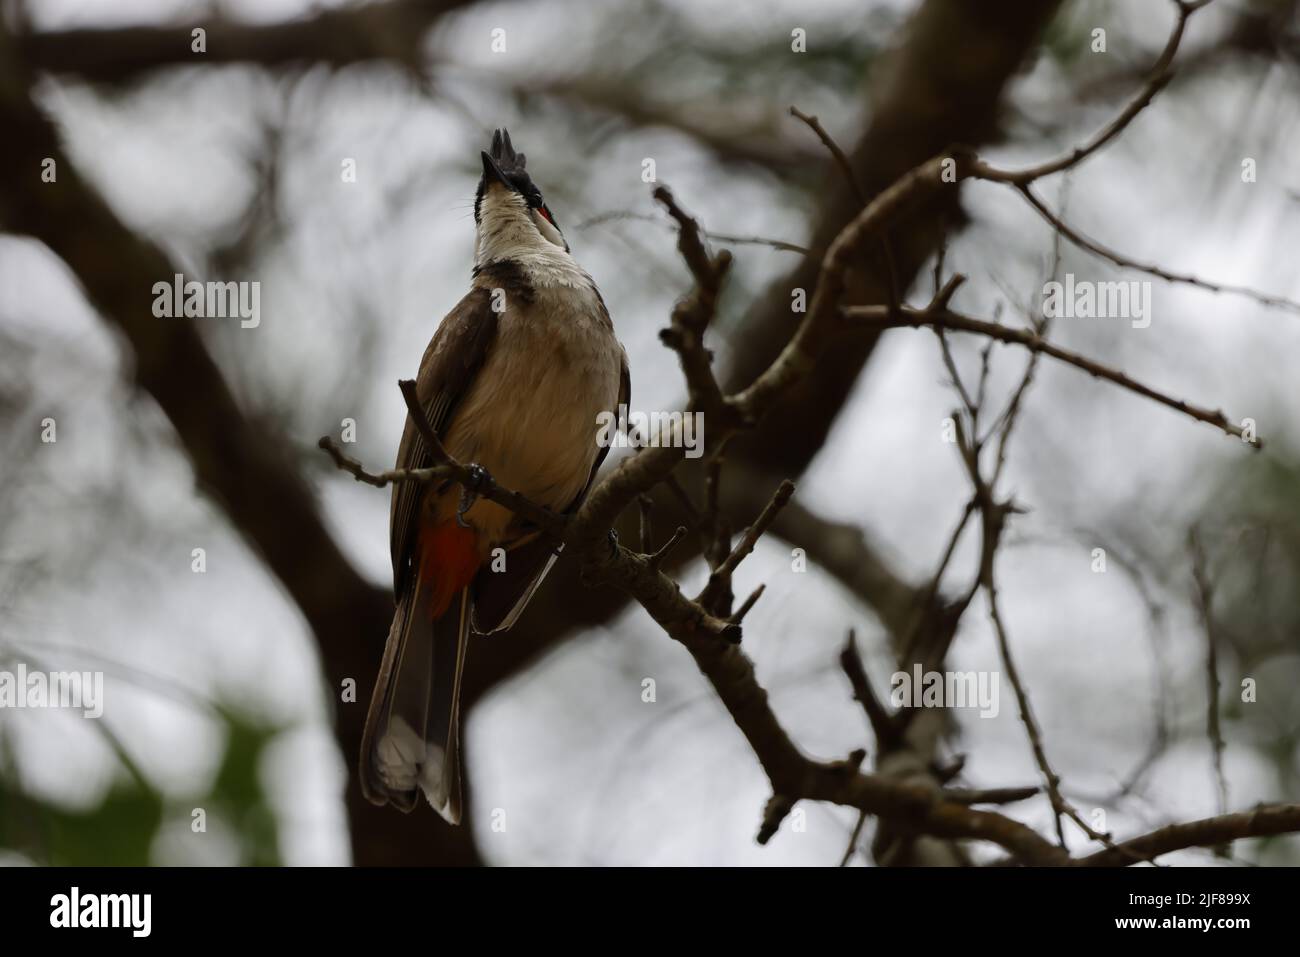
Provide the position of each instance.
(549, 232)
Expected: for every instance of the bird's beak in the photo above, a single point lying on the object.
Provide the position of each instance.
(491, 171)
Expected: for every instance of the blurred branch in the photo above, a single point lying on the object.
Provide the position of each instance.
(392, 30)
(1263, 821)
(627, 214)
(1257, 30)
(1022, 180)
(723, 558)
(842, 549)
(840, 158)
(1160, 75)
(1205, 607)
(926, 95)
(891, 268)
(878, 716)
(732, 141)
(941, 318)
(994, 514)
(991, 795)
(752, 534)
(1125, 262)
(853, 839)
(691, 317)
(1161, 736)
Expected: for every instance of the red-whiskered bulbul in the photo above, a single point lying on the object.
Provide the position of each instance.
(515, 380)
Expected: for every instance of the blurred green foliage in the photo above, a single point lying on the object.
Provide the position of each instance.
(123, 828)
(1250, 532)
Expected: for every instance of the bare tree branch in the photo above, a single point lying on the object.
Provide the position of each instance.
(1160, 75)
(878, 716)
(602, 219)
(1264, 821)
(840, 158)
(1125, 262)
(878, 317)
(392, 30)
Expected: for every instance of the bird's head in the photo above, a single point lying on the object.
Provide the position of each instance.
(509, 213)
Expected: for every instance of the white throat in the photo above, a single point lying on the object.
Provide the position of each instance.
(508, 231)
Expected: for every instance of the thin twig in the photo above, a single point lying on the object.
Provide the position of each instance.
(1205, 606)
(755, 531)
(1263, 821)
(617, 215)
(878, 317)
(878, 716)
(853, 839)
(1126, 262)
(421, 420)
(892, 290)
(449, 471)
(840, 157)
(656, 559)
(991, 795)
(739, 614)
(1160, 76)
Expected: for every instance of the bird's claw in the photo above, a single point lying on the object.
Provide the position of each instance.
(478, 481)
(613, 543)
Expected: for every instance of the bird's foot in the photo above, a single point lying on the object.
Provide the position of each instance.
(478, 481)
(613, 543)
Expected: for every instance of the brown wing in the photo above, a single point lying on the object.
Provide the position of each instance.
(452, 360)
(625, 401)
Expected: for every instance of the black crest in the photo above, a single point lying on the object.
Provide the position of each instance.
(504, 152)
(509, 168)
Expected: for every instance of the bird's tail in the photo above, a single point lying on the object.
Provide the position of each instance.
(411, 741)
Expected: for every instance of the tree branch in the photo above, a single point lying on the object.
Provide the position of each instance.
(392, 30)
(1264, 821)
(908, 317)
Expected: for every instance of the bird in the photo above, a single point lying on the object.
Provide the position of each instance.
(515, 380)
